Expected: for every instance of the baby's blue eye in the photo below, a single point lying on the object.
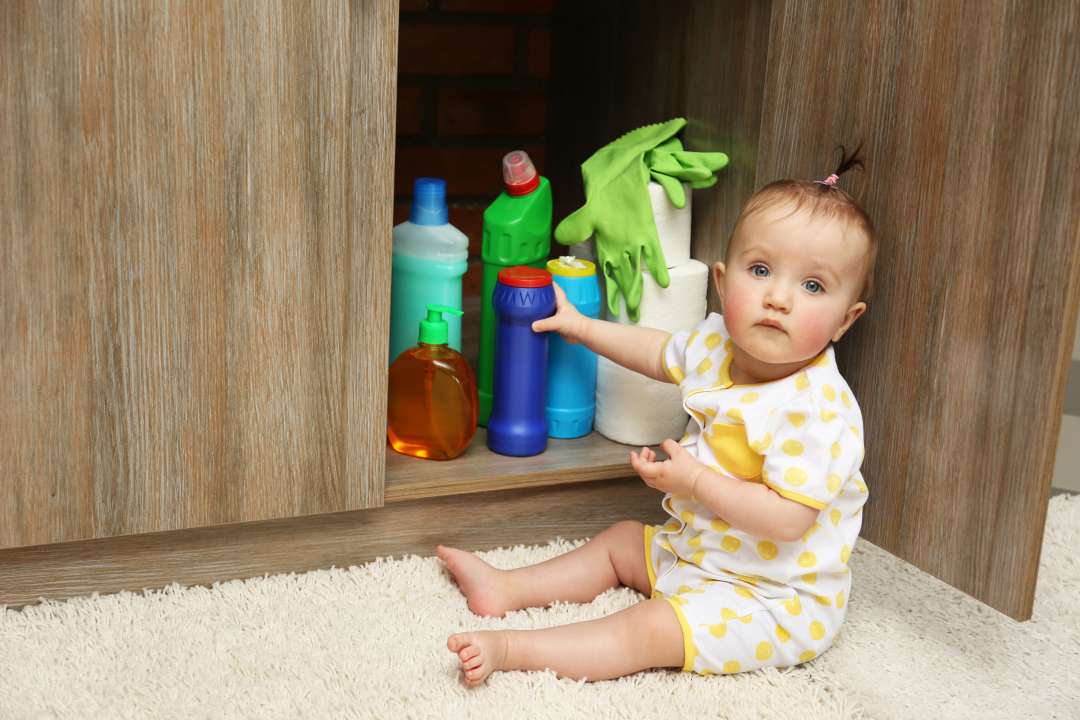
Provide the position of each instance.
(754, 270)
(813, 286)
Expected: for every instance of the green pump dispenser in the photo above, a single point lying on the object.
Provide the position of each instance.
(433, 328)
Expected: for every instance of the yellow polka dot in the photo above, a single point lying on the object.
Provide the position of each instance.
(828, 392)
(810, 578)
(740, 590)
(749, 397)
(845, 554)
(687, 517)
(728, 344)
(796, 418)
(846, 399)
(807, 559)
(735, 414)
(794, 476)
(671, 524)
(728, 614)
(719, 630)
(731, 666)
(781, 634)
(861, 485)
(817, 630)
(692, 338)
(813, 529)
(836, 449)
(694, 541)
(683, 589)
(840, 599)
(745, 619)
(760, 446)
(855, 430)
(834, 517)
(823, 600)
(792, 447)
(712, 340)
(697, 557)
(767, 550)
(704, 366)
(710, 412)
(719, 525)
(794, 605)
(745, 578)
(827, 415)
(807, 655)
(821, 361)
(764, 650)
(730, 543)
(801, 381)
(677, 374)
(832, 482)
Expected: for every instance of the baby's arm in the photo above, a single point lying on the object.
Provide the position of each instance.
(637, 348)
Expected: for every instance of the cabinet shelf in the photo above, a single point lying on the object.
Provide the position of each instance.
(478, 469)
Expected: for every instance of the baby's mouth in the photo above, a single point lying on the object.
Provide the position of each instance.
(771, 324)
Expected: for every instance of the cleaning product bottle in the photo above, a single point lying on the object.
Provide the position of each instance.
(431, 412)
(429, 259)
(517, 425)
(517, 231)
(571, 380)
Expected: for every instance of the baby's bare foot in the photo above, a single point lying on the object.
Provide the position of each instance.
(485, 588)
(480, 653)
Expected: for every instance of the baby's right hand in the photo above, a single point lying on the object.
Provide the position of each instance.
(566, 321)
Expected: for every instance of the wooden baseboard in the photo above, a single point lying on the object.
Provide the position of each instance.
(477, 521)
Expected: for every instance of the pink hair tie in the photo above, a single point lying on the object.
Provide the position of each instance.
(830, 181)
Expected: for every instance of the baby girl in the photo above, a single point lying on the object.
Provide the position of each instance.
(763, 491)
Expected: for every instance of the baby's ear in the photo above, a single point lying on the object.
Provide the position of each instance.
(718, 272)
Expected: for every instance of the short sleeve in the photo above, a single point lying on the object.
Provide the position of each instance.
(674, 356)
(809, 459)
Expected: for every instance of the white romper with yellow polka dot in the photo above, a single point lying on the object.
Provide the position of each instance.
(746, 602)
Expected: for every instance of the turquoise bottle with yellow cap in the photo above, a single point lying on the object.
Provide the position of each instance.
(571, 380)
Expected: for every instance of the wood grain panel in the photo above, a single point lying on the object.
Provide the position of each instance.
(961, 361)
(196, 221)
(205, 556)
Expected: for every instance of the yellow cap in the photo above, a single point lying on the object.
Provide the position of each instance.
(570, 266)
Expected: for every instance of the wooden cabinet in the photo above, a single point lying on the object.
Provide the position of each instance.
(195, 213)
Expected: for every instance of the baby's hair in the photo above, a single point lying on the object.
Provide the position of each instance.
(820, 197)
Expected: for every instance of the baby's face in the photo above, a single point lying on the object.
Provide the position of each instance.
(791, 283)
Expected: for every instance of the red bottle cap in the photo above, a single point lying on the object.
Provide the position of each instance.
(519, 173)
(524, 276)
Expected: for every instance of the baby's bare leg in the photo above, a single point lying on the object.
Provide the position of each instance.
(644, 636)
(615, 556)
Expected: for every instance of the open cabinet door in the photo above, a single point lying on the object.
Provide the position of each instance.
(967, 112)
(195, 216)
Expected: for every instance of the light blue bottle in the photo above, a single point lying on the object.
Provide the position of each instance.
(429, 259)
(571, 380)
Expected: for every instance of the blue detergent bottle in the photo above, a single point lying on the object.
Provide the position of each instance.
(571, 376)
(429, 259)
(517, 425)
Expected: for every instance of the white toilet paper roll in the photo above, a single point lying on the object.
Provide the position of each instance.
(679, 306)
(636, 410)
(672, 224)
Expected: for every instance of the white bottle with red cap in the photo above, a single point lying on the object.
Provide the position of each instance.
(517, 231)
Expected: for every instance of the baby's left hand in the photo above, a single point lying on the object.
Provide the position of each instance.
(677, 474)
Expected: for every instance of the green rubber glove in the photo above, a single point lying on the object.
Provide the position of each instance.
(618, 212)
(671, 166)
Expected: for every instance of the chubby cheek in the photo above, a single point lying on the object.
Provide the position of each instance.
(815, 330)
(737, 306)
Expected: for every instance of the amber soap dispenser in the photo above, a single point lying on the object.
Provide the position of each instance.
(432, 404)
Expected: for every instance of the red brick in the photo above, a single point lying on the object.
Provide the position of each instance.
(473, 281)
(467, 171)
(538, 53)
(481, 111)
(426, 49)
(523, 7)
(469, 219)
(410, 110)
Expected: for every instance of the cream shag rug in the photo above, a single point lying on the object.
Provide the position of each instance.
(370, 642)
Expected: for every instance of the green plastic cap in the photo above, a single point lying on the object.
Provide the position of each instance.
(433, 329)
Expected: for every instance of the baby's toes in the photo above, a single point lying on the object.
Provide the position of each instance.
(467, 653)
(456, 643)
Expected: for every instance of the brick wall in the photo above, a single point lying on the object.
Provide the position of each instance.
(472, 86)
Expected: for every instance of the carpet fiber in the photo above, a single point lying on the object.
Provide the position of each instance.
(370, 642)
